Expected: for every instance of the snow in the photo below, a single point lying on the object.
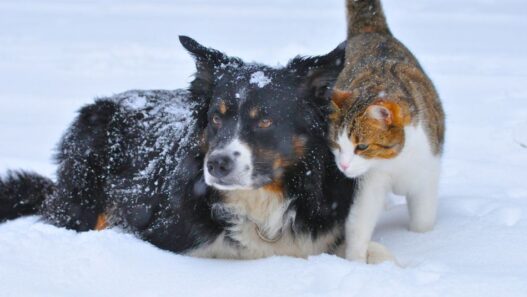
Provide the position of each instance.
(259, 79)
(135, 102)
(55, 56)
(167, 115)
(520, 134)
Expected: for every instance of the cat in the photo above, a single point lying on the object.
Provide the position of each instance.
(387, 128)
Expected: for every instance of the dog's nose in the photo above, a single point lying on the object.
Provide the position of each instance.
(220, 165)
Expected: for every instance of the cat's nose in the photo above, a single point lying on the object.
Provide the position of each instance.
(344, 166)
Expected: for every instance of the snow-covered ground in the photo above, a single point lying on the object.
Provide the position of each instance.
(56, 55)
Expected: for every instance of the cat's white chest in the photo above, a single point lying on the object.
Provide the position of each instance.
(406, 169)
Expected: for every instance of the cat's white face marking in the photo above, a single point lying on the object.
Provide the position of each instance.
(348, 162)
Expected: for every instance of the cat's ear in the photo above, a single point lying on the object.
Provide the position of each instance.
(339, 97)
(380, 113)
(389, 113)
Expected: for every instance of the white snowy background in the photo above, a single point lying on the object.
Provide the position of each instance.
(55, 56)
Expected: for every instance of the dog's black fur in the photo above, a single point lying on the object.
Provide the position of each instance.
(137, 157)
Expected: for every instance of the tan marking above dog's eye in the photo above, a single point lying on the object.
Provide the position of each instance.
(265, 123)
(223, 107)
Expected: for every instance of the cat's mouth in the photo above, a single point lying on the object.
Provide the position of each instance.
(353, 171)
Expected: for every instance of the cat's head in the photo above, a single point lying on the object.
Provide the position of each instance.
(365, 132)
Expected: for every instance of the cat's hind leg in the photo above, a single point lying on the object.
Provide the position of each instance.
(422, 199)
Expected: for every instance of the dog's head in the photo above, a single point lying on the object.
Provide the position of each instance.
(260, 121)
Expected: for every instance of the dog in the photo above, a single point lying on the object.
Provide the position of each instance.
(237, 166)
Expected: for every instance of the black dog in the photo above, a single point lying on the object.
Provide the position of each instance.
(236, 167)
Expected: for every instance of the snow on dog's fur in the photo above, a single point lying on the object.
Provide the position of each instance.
(236, 167)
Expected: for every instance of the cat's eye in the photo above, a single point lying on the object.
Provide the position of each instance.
(265, 123)
(362, 147)
(216, 120)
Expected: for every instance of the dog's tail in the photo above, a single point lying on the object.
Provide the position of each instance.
(22, 193)
(366, 16)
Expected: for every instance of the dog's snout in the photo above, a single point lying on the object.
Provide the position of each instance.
(220, 165)
(229, 166)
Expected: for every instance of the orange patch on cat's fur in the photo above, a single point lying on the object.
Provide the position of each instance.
(381, 127)
(338, 97)
(397, 113)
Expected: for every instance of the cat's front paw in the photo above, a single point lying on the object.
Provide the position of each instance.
(378, 253)
(357, 254)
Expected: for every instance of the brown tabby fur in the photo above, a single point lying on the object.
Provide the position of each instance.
(381, 71)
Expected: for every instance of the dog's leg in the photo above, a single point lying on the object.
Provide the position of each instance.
(364, 214)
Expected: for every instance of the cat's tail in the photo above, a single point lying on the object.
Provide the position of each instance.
(22, 193)
(366, 16)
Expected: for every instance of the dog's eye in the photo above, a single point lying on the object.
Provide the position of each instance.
(362, 147)
(265, 123)
(216, 120)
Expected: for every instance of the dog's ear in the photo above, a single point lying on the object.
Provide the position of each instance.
(319, 73)
(206, 58)
(210, 64)
(208, 61)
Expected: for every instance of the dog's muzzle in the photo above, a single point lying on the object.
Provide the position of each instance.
(220, 166)
(230, 167)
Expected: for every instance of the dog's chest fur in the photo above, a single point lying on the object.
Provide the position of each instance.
(261, 224)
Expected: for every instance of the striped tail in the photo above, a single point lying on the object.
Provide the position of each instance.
(366, 16)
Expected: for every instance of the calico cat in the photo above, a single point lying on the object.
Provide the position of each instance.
(387, 128)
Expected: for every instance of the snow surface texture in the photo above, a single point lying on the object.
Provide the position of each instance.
(57, 55)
